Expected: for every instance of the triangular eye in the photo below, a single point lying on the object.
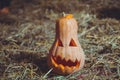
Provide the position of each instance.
(59, 43)
(72, 43)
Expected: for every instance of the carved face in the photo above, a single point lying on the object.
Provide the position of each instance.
(66, 55)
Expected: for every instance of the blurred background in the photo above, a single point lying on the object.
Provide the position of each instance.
(27, 31)
(102, 8)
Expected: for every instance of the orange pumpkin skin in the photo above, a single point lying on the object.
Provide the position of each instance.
(66, 55)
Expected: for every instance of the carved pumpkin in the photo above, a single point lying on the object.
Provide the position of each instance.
(66, 55)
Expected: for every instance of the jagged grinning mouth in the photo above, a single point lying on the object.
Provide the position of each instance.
(57, 61)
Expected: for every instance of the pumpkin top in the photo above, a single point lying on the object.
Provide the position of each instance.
(68, 16)
(65, 16)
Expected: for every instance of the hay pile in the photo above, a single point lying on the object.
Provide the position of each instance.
(28, 32)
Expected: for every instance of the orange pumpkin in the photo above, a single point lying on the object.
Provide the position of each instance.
(66, 55)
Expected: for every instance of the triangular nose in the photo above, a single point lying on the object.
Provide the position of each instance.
(59, 43)
(72, 43)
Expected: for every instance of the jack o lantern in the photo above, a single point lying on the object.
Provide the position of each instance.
(66, 55)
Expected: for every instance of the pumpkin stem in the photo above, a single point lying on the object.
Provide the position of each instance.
(67, 15)
(63, 14)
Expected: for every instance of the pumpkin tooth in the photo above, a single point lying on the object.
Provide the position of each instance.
(73, 60)
(78, 64)
(68, 54)
(75, 53)
(62, 56)
(74, 68)
(66, 59)
(61, 67)
(68, 69)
